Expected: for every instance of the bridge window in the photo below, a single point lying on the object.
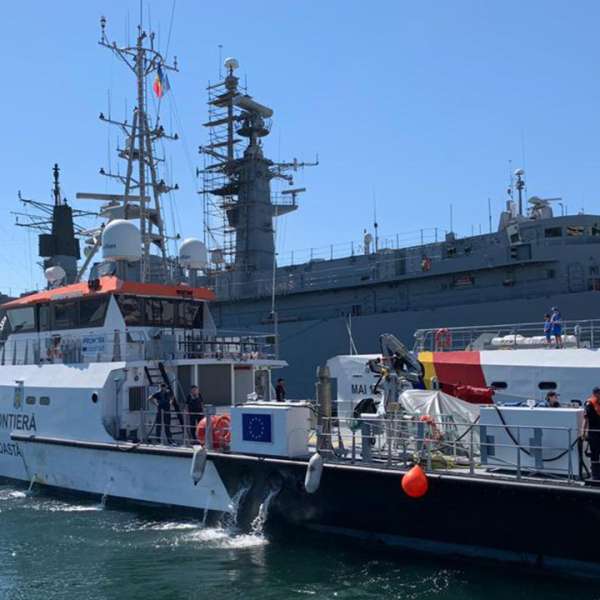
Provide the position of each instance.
(547, 385)
(131, 309)
(92, 311)
(552, 232)
(575, 230)
(44, 317)
(160, 313)
(155, 312)
(191, 315)
(65, 315)
(22, 319)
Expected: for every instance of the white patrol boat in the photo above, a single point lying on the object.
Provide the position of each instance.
(79, 360)
(75, 376)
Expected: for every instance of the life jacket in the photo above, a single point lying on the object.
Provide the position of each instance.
(595, 403)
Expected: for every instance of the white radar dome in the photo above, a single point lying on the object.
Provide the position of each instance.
(193, 254)
(54, 274)
(231, 63)
(121, 240)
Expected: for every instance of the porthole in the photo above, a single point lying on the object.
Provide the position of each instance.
(44, 400)
(30, 400)
(499, 385)
(94, 397)
(547, 385)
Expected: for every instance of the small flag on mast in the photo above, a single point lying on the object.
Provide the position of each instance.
(161, 83)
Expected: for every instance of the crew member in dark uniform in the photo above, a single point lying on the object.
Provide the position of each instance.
(591, 429)
(552, 400)
(280, 391)
(162, 400)
(195, 411)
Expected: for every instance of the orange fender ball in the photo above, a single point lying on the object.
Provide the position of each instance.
(415, 483)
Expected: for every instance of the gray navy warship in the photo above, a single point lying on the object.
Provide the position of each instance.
(324, 307)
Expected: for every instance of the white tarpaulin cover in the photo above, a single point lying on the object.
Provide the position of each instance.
(451, 415)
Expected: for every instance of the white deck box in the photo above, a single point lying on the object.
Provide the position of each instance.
(271, 428)
(547, 438)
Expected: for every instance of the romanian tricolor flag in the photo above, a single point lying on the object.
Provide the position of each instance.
(161, 83)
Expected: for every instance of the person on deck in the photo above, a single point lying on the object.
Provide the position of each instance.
(591, 430)
(548, 329)
(195, 411)
(556, 321)
(553, 400)
(162, 400)
(280, 390)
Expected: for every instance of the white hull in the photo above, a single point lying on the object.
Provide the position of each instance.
(149, 475)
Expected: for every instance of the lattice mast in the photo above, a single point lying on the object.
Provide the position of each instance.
(141, 199)
(237, 187)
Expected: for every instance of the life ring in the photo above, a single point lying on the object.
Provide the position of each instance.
(426, 264)
(436, 434)
(221, 431)
(443, 339)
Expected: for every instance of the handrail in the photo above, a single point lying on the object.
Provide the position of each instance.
(448, 446)
(134, 344)
(575, 334)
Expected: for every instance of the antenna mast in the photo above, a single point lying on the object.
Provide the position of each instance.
(238, 206)
(59, 233)
(142, 186)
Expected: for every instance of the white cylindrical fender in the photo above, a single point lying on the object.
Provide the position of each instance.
(312, 480)
(198, 463)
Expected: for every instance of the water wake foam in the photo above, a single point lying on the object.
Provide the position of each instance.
(219, 537)
(55, 506)
(169, 526)
(12, 495)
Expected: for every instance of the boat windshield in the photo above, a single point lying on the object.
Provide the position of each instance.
(160, 312)
(22, 319)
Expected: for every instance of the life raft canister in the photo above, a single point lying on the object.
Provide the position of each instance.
(443, 339)
(415, 483)
(221, 431)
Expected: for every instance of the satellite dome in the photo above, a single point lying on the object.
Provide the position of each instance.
(193, 254)
(54, 274)
(231, 63)
(121, 240)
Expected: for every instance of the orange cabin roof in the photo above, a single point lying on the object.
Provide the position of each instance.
(113, 285)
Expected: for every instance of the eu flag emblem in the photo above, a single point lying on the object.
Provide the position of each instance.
(256, 428)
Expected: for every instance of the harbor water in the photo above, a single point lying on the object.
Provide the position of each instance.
(54, 548)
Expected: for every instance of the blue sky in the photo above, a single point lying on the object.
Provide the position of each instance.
(416, 104)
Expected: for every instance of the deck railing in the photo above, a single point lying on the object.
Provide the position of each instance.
(440, 445)
(135, 345)
(575, 334)
(447, 446)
